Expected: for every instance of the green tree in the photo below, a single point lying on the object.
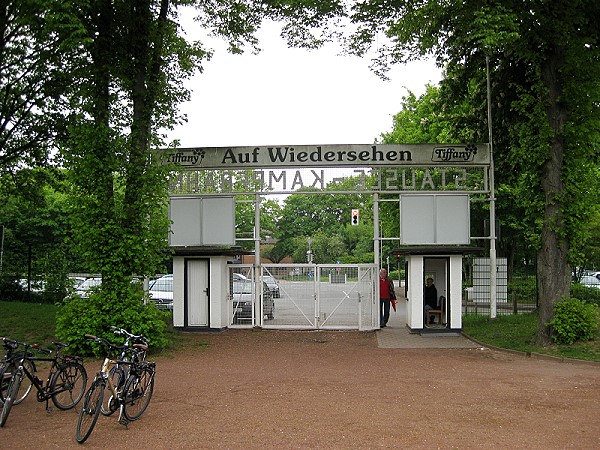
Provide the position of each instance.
(590, 248)
(270, 211)
(307, 215)
(545, 61)
(421, 120)
(38, 229)
(33, 78)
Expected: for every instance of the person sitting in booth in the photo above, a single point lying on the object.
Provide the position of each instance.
(430, 297)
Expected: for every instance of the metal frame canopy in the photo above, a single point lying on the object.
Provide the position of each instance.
(384, 168)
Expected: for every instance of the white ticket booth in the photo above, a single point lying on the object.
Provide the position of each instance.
(444, 268)
(202, 238)
(434, 234)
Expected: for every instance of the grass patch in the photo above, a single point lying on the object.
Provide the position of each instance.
(35, 323)
(28, 322)
(517, 332)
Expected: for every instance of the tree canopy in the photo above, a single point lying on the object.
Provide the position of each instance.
(545, 95)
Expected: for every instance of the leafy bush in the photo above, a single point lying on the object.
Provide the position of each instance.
(574, 320)
(589, 294)
(524, 289)
(77, 317)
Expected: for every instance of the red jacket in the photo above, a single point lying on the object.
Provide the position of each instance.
(386, 288)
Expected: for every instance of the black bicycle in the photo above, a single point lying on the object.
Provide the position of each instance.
(7, 367)
(131, 401)
(65, 384)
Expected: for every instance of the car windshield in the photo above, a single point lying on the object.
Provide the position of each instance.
(163, 285)
(89, 283)
(242, 287)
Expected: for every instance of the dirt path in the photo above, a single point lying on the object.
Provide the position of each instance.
(337, 390)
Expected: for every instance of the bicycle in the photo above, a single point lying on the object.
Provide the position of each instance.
(7, 367)
(129, 353)
(65, 384)
(131, 401)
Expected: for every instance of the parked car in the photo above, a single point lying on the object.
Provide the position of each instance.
(36, 285)
(273, 285)
(83, 289)
(243, 295)
(161, 292)
(76, 281)
(590, 281)
(239, 277)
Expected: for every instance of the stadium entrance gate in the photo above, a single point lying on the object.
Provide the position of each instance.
(304, 296)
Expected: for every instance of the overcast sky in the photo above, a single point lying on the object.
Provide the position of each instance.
(286, 96)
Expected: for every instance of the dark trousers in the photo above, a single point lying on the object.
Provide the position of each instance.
(384, 311)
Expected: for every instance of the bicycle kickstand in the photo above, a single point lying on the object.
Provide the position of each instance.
(49, 409)
(122, 419)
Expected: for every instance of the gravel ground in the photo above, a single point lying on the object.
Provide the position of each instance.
(337, 390)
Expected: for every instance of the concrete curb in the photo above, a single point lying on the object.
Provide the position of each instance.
(534, 355)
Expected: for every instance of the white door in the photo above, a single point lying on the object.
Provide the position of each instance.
(197, 293)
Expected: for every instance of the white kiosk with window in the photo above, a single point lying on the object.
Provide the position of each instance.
(434, 234)
(203, 240)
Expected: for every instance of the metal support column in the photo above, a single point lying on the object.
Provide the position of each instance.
(493, 268)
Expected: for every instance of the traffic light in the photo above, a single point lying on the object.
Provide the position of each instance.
(354, 220)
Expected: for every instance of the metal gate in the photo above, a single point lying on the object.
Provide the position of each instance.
(304, 296)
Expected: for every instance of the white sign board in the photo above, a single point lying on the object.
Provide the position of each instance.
(436, 219)
(336, 155)
(202, 221)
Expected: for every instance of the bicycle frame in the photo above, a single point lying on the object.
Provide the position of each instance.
(131, 352)
(104, 375)
(43, 388)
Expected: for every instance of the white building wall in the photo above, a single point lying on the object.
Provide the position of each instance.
(178, 291)
(219, 278)
(414, 309)
(456, 291)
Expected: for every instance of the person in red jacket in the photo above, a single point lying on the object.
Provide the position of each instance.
(386, 294)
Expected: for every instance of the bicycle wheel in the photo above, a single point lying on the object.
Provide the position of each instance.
(117, 375)
(6, 374)
(11, 393)
(138, 391)
(68, 385)
(90, 410)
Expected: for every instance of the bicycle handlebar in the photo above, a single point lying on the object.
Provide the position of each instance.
(11, 344)
(118, 330)
(41, 349)
(138, 339)
(115, 346)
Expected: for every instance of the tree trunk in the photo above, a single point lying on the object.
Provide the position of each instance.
(553, 267)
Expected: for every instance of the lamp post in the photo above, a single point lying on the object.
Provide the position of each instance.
(493, 269)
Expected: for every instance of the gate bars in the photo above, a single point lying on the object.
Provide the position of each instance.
(304, 296)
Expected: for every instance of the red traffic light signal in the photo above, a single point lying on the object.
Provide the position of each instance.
(354, 220)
